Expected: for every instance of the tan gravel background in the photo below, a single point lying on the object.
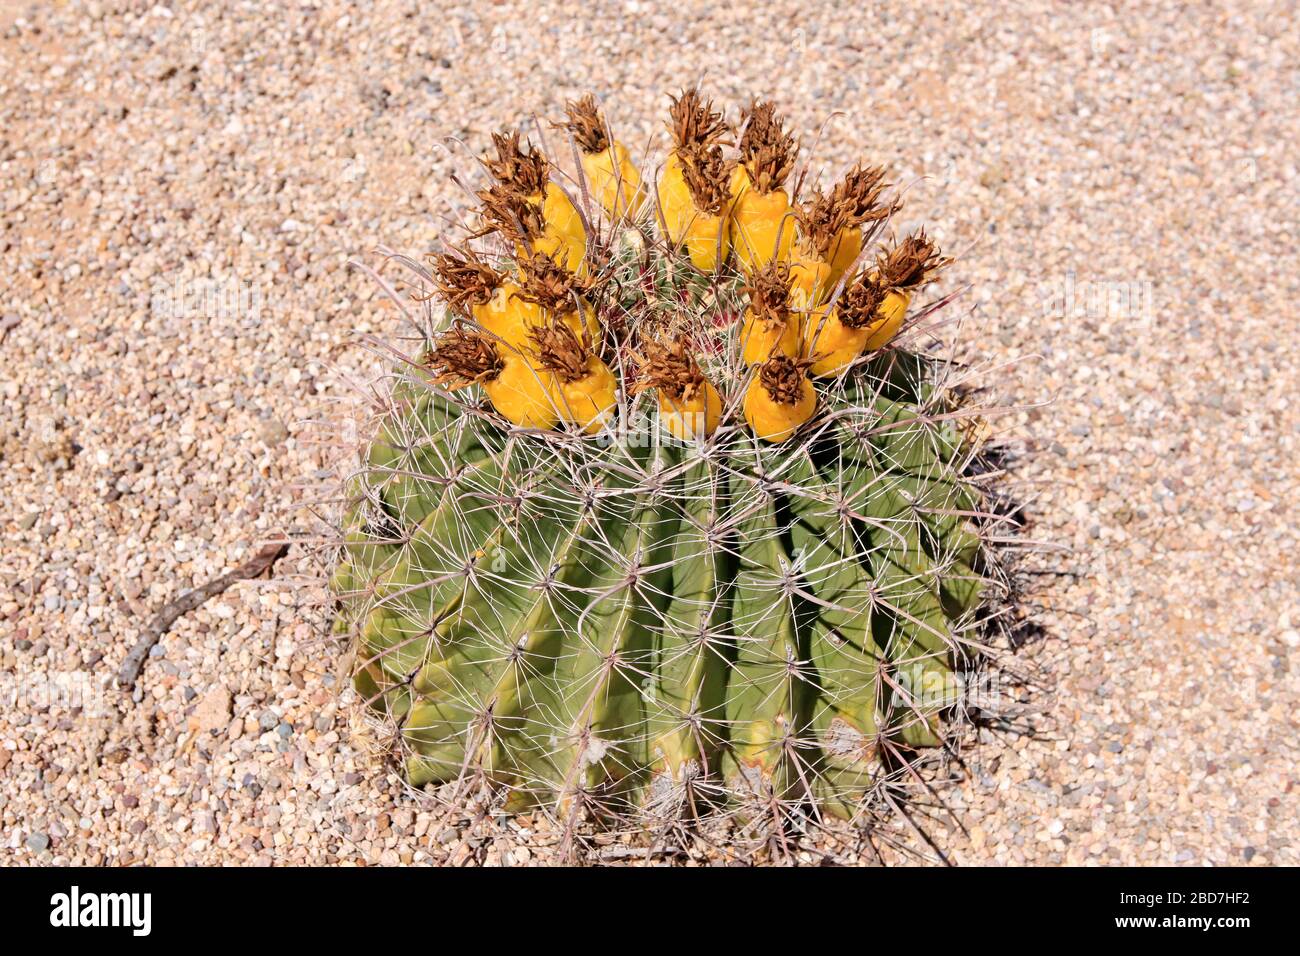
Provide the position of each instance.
(183, 184)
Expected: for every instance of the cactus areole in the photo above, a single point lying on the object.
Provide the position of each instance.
(648, 527)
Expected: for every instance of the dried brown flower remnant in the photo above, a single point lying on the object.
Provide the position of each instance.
(911, 263)
(586, 125)
(769, 292)
(463, 279)
(819, 223)
(860, 301)
(782, 378)
(463, 356)
(547, 283)
(693, 122)
(766, 149)
(670, 367)
(560, 351)
(855, 199)
(508, 212)
(522, 168)
(708, 177)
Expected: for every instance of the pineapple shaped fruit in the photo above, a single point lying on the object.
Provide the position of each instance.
(547, 293)
(870, 312)
(695, 185)
(769, 325)
(779, 398)
(584, 389)
(478, 292)
(852, 207)
(642, 539)
(689, 405)
(516, 388)
(611, 177)
(903, 269)
(761, 217)
(835, 338)
(527, 207)
(829, 236)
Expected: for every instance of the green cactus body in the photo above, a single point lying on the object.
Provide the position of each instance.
(628, 622)
(614, 629)
(687, 724)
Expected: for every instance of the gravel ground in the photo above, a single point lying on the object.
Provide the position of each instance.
(183, 185)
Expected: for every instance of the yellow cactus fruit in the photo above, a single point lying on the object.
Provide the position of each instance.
(548, 291)
(563, 238)
(761, 229)
(891, 314)
(584, 389)
(810, 277)
(768, 326)
(521, 394)
(507, 310)
(697, 215)
(910, 264)
(830, 228)
(689, 406)
(527, 208)
(523, 223)
(693, 415)
(854, 202)
(844, 251)
(617, 181)
(675, 203)
(694, 188)
(780, 398)
(476, 290)
(517, 391)
(692, 121)
(833, 342)
(612, 179)
(906, 267)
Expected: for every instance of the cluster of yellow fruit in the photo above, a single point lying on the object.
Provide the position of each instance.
(812, 310)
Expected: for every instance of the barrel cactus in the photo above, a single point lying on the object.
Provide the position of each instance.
(664, 516)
